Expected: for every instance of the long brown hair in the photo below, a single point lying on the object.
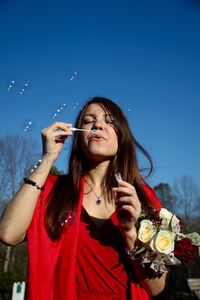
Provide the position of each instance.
(65, 194)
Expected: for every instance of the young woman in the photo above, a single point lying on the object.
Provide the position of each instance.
(80, 226)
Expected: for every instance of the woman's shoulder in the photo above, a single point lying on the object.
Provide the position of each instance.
(53, 182)
(52, 179)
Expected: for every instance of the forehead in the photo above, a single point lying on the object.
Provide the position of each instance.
(95, 109)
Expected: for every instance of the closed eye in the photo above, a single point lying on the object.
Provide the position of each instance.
(85, 122)
(110, 122)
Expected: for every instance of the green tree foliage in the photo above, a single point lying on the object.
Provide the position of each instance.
(165, 195)
(55, 171)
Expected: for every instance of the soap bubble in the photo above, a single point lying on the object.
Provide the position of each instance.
(59, 111)
(127, 112)
(28, 125)
(66, 219)
(25, 87)
(74, 75)
(41, 166)
(75, 106)
(11, 84)
(8, 188)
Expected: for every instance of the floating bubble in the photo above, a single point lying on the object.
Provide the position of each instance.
(25, 87)
(8, 188)
(67, 219)
(28, 125)
(127, 112)
(35, 166)
(75, 106)
(74, 75)
(11, 84)
(59, 111)
(41, 166)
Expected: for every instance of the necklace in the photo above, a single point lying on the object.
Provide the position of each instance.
(98, 200)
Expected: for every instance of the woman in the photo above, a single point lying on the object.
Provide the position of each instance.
(80, 226)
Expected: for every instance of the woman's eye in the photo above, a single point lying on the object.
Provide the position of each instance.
(85, 122)
(110, 121)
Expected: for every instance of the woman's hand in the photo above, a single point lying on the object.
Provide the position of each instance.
(128, 208)
(53, 138)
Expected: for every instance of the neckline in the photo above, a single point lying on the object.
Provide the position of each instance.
(93, 217)
(98, 222)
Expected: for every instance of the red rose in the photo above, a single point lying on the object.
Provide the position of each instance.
(184, 250)
(153, 215)
(181, 222)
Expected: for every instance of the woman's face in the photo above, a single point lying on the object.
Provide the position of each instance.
(103, 143)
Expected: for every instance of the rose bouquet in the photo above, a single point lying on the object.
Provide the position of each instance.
(161, 241)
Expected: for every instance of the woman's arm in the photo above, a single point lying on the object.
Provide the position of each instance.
(18, 214)
(154, 285)
(128, 212)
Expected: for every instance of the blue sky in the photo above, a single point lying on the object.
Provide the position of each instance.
(145, 55)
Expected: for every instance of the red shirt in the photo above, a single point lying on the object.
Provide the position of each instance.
(86, 263)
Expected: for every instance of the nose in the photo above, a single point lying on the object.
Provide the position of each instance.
(97, 123)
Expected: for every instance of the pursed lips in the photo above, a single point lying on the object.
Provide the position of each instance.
(96, 136)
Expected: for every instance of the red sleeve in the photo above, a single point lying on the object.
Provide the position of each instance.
(153, 199)
(41, 250)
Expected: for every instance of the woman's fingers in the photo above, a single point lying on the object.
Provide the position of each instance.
(54, 136)
(128, 204)
(57, 128)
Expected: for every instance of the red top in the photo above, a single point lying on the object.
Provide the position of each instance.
(86, 263)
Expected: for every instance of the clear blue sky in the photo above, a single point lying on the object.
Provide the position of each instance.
(143, 54)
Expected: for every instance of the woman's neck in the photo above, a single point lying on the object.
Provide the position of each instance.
(97, 173)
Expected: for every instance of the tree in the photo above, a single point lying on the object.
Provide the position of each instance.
(17, 157)
(165, 195)
(55, 171)
(187, 194)
(183, 200)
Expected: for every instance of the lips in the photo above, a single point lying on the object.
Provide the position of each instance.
(96, 137)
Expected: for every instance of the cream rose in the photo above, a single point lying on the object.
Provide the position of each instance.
(165, 214)
(145, 231)
(163, 242)
(168, 217)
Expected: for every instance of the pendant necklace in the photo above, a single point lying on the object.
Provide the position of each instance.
(98, 200)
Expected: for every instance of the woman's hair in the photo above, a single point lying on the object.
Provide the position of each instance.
(65, 194)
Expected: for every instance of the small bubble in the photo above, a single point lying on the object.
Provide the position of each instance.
(127, 112)
(8, 187)
(41, 166)
(28, 125)
(11, 84)
(67, 219)
(25, 87)
(75, 106)
(74, 75)
(59, 111)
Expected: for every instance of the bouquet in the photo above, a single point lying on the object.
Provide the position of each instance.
(161, 241)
